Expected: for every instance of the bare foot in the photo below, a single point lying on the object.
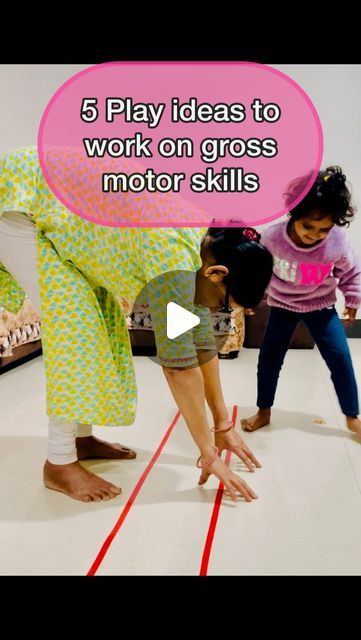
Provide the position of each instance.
(91, 447)
(354, 424)
(261, 419)
(78, 483)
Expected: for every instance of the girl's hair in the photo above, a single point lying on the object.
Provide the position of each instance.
(249, 263)
(329, 195)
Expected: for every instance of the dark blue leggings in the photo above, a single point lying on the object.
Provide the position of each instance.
(329, 334)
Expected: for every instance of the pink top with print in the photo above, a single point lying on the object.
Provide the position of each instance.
(306, 279)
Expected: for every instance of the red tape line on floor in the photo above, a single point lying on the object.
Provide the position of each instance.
(215, 513)
(100, 557)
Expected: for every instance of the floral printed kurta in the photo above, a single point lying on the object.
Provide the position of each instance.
(84, 269)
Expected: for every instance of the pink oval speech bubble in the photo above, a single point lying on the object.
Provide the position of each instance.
(179, 144)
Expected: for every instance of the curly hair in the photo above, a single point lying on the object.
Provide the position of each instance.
(329, 195)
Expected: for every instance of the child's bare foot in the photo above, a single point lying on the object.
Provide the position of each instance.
(78, 483)
(354, 424)
(91, 447)
(261, 419)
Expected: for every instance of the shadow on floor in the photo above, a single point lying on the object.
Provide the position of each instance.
(306, 422)
(24, 498)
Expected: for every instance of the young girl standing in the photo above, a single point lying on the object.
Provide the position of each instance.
(312, 257)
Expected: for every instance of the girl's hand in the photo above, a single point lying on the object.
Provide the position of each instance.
(249, 312)
(232, 441)
(349, 316)
(233, 484)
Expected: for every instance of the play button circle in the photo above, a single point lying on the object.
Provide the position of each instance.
(165, 323)
(179, 320)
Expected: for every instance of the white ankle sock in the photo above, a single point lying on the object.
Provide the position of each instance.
(83, 430)
(61, 442)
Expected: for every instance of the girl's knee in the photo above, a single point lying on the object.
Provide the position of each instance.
(341, 357)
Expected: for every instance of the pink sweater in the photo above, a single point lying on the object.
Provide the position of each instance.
(306, 279)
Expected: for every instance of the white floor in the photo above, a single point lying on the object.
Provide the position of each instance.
(307, 519)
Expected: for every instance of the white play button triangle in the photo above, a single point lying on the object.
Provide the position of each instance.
(179, 320)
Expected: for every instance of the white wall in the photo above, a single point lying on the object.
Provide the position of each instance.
(334, 89)
(25, 91)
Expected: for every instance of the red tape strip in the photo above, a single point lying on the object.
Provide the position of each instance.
(215, 513)
(100, 557)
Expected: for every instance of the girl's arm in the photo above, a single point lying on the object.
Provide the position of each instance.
(187, 387)
(225, 439)
(348, 270)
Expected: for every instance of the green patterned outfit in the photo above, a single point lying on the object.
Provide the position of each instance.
(84, 269)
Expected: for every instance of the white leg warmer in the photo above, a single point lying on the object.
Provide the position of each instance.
(61, 442)
(83, 430)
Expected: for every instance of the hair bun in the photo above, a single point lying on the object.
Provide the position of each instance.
(332, 183)
(235, 234)
(335, 175)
